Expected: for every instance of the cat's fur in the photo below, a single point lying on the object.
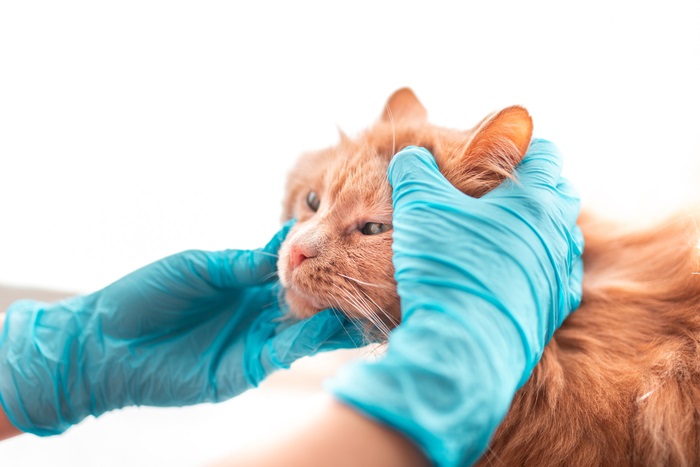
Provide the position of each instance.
(619, 384)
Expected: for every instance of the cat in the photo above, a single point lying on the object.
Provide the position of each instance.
(619, 384)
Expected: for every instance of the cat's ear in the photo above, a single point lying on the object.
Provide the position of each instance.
(404, 106)
(490, 152)
(344, 138)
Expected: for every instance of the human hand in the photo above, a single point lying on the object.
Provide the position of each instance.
(484, 283)
(193, 327)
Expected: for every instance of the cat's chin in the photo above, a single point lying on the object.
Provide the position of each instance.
(300, 305)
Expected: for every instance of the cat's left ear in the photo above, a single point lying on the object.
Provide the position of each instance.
(489, 153)
(344, 138)
(403, 106)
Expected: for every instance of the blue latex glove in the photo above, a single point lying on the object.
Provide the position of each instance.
(194, 327)
(483, 285)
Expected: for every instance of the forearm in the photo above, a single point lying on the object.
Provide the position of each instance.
(7, 429)
(337, 436)
(444, 382)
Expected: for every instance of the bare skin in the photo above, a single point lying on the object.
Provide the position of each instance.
(7, 429)
(337, 436)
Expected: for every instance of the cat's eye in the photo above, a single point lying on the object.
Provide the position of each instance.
(313, 201)
(374, 228)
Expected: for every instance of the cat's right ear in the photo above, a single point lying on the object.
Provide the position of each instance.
(403, 106)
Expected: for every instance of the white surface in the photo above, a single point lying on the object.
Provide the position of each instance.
(131, 130)
(164, 437)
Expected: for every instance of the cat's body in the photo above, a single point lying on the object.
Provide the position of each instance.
(619, 384)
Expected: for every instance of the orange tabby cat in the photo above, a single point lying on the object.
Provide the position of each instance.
(619, 384)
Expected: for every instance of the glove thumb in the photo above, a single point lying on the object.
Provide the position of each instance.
(243, 268)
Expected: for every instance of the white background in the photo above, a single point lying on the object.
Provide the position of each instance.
(131, 130)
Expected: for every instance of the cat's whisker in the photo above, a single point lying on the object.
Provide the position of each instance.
(365, 283)
(340, 320)
(266, 253)
(269, 276)
(355, 303)
(362, 308)
(382, 326)
(376, 350)
(494, 457)
(367, 329)
(391, 319)
(339, 307)
(367, 297)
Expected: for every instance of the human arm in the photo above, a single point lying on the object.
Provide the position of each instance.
(7, 429)
(334, 435)
(194, 327)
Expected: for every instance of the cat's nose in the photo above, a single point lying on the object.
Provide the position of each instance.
(297, 254)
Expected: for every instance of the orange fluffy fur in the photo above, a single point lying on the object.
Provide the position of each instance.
(619, 384)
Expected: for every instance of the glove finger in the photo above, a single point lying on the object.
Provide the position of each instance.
(274, 244)
(572, 208)
(578, 240)
(541, 167)
(327, 330)
(575, 285)
(416, 178)
(242, 268)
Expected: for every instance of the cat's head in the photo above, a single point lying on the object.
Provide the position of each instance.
(338, 254)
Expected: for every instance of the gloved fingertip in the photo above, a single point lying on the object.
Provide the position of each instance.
(576, 284)
(351, 333)
(410, 163)
(570, 203)
(541, 167)
(236, 268)
(579, 241)
(326, 330)
(239, 268)
(541, 145)
(259, 266)
(274, 244)
(323, 326)
(566, 188)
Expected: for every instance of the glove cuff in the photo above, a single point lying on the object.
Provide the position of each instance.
(418, 390)
(31, 396)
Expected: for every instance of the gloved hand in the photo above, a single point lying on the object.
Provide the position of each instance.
(483, 285)
(194, 327)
